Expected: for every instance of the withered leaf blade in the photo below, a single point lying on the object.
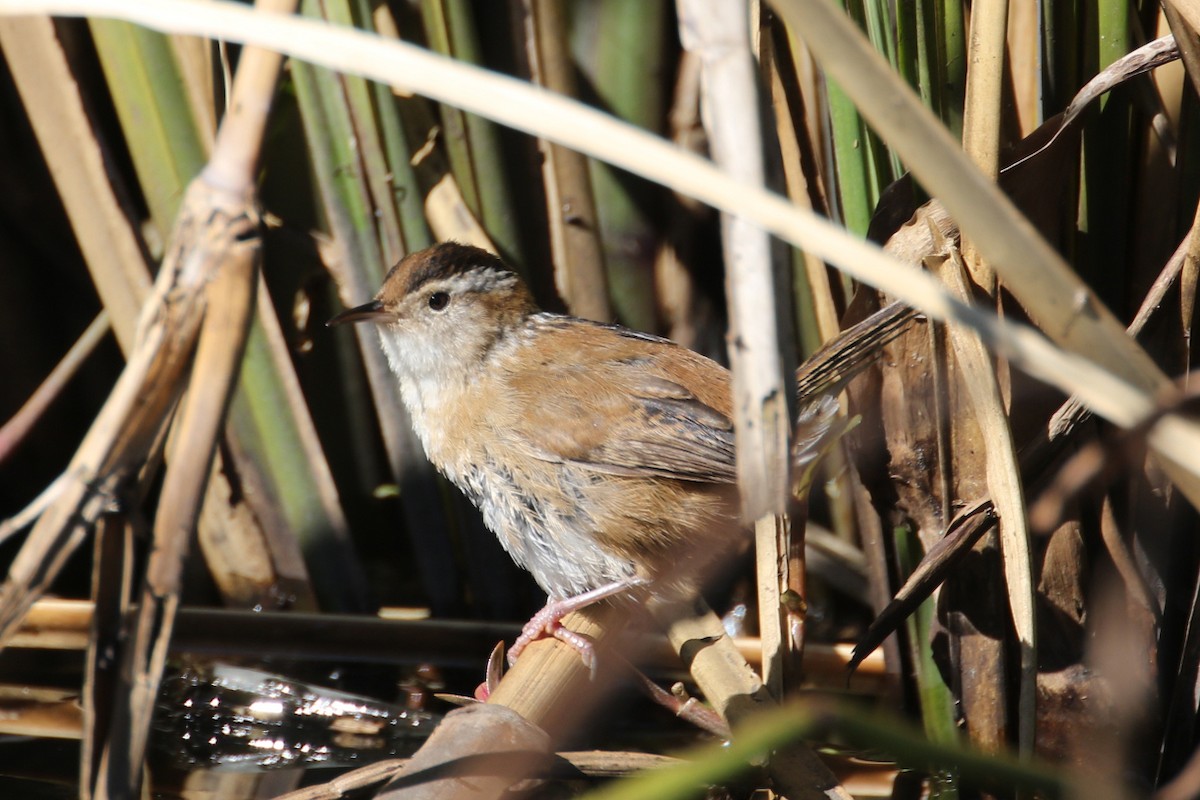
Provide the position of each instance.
(1144, 59)
(964, 531)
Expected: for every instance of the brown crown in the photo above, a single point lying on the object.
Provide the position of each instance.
(440, 261)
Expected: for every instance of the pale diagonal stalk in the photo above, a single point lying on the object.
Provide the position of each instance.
(227, 308)
(217, 245)
(1118, 385)
(14, 431)
(112, 248)
(167, 149)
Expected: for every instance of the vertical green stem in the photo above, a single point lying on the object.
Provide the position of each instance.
(1107, 168)
(472, 142)
(619, 44)
(934, 697)
(952, 36)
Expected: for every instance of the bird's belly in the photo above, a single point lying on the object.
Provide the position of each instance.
(544, 528)
(576, 529)
(538, 514)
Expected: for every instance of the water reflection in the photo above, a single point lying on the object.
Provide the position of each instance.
(246, 719)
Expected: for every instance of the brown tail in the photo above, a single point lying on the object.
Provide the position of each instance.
(830, 368)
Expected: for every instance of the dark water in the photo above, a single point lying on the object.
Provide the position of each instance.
(221, 719)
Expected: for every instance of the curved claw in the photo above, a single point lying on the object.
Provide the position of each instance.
(547, 622)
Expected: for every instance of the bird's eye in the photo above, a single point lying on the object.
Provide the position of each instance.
(439, 300)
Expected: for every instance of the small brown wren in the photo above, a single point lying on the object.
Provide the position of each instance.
(602, 458)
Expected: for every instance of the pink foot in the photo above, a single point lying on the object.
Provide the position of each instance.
(548, 621)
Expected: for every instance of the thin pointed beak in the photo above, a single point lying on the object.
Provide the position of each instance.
(367, 312)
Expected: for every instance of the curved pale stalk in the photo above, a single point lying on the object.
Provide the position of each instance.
(14, 431)
(1121, 390)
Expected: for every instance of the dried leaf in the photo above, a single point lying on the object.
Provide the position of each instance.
(960, 537)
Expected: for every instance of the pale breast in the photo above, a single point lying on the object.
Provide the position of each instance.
(541, 446)
(538, 510)
(546, 530)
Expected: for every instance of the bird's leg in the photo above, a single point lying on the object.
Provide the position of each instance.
(548, 621)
